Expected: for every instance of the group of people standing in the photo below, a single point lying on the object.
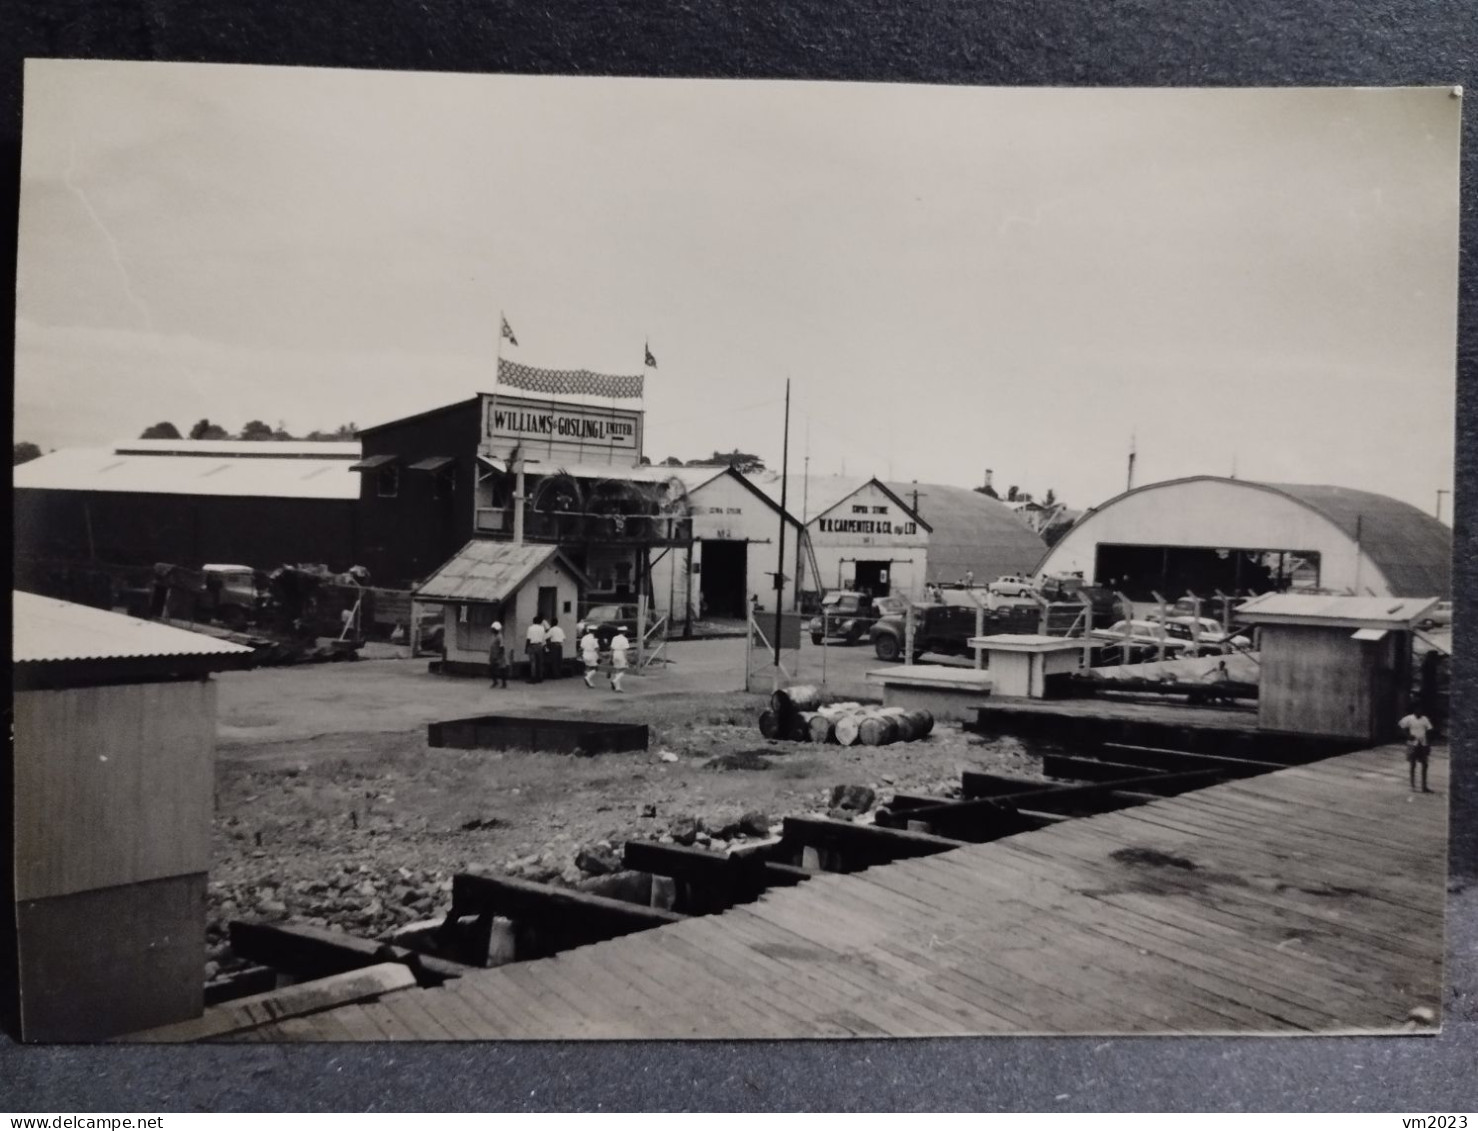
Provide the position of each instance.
(544, 648)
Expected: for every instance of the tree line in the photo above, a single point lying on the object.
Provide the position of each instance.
(204, 429)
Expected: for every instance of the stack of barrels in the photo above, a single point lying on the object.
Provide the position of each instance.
(800, 714)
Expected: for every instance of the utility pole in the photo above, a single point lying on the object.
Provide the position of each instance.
(780, 563)
(1440, 492)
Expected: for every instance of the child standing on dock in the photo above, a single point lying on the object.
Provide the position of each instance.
(1418, 730)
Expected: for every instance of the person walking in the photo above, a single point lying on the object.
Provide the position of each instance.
(619, 647)
(498, 657)
(554, 651)
(590, 655)
(1418, 730)
(533, 647)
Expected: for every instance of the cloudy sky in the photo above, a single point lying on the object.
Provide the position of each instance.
(954, 279)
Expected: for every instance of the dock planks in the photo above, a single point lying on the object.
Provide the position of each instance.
(1306, 900)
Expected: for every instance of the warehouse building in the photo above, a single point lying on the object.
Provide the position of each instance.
(189, 502)
(734, 551)
(434, 481)
(859, 535)
(1207, 534)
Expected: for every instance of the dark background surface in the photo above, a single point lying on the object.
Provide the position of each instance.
(1016, 42)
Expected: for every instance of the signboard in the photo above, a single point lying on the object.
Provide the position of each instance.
(573, 433)
(884, 526)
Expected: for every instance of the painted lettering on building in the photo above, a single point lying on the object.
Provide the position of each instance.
(866, 526)
(565, 429)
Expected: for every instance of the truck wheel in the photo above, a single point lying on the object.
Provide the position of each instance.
(886, 647)
(815, 638)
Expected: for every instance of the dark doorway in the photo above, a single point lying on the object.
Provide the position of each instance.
(548, 602)
(723, 580)
(1173, 571)
(873, 578)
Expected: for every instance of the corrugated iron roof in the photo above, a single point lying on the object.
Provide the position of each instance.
(1409, 546)
(256, 449)
(46, 630)
(972, 532)
(484, 570)
(1309, 608)
(104, 469)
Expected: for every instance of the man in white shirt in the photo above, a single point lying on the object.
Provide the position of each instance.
(533, 647)
(590, 655)
(1418, 730)
(619, 647)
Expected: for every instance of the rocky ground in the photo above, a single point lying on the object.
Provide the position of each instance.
(362, 831)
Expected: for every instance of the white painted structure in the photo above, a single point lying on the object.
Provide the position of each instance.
(1020, 664)
(1366, 544)
(735, 551)
(862, 535)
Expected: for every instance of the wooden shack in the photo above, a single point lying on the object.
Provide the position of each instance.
(114, 771)
(510, 583)
(1336, 666)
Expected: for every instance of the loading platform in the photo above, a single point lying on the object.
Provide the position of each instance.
(1310, 899)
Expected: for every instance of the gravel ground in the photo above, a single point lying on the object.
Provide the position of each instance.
(332, 809)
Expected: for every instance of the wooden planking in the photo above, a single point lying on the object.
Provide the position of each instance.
(113, 785)
(1045, 932)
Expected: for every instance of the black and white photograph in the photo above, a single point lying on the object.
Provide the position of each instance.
(508, 558)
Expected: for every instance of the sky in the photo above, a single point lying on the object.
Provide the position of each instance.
(1028, 280)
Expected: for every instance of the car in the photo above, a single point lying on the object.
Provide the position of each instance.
(947, 628)
(1137, 640)
(1205, 635)
(1439, 617)
(844, 615)
(606, 620)
(1012, 585)
(231, 595)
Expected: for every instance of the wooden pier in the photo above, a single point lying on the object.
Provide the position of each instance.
(1308, 900)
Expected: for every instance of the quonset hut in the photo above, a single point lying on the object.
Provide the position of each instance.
(973, 535)
(1207, 534)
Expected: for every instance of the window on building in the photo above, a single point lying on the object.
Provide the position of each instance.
(444, 483)
(387, 481)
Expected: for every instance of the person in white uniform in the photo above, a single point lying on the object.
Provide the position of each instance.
(590, 655)
(619, 647)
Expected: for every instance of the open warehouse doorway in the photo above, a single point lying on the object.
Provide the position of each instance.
(1139, 572)
(722, 577)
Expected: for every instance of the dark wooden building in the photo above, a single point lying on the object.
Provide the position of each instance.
(433, 481)
(189, 503)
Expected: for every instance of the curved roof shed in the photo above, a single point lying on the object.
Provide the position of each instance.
(1368, 544)
(971, 532)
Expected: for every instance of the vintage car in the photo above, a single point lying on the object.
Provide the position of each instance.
(946, 628)
(605, 620)
(1134, 641)
(1012, 585)
(844, 615)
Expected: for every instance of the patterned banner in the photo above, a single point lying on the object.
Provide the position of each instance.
(568, 382)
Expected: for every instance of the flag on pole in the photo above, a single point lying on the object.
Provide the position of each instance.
(651, 361)
(568, 382)
(508, 331)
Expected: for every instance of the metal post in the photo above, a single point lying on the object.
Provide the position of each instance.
(780, 561)
(979, 631)
(908, 631)
(518, 499)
